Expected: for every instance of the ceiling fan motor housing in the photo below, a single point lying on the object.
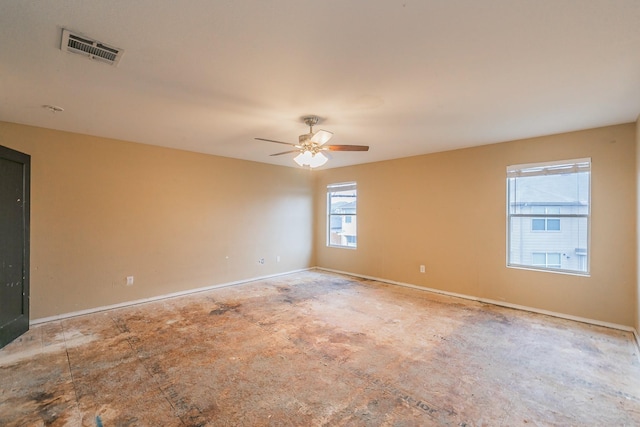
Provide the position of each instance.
(311, 120)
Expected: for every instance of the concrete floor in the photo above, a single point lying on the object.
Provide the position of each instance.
(313, 349)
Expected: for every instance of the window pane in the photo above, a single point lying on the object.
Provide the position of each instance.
(537, 224)
(342, 202)
(342, 233)
(553, 260)
(529, 193)
(570, 243)
(539, 258)
(553, 224)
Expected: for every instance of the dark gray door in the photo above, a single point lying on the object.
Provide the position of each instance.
(14, 244)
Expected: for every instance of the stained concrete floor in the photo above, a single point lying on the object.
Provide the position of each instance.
(316, 348)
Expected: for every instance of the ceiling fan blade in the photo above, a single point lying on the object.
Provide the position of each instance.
(278, 142)
(321, 136)
(285, 152)
(347, 147)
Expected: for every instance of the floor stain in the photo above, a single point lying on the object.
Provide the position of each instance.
(223, 308)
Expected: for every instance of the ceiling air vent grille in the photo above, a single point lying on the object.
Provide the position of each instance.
(92, 49)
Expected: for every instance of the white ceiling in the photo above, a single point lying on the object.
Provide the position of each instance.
(405, 77)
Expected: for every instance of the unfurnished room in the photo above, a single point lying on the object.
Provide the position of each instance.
(336, 213)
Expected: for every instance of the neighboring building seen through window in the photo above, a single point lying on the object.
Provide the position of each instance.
(341, 207)
(548, 209)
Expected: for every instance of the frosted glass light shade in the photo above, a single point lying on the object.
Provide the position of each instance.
(321, 137)
(303, 158)
(317, 160)
(308, 158)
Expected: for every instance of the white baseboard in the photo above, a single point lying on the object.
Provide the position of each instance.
(496, 302)
(156, 298)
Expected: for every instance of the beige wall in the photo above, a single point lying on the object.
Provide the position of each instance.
(103, 209)
(447, 211)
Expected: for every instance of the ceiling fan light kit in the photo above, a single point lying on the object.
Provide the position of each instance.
(309, 159)
(310, 145)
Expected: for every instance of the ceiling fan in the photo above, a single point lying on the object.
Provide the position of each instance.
(311, 145)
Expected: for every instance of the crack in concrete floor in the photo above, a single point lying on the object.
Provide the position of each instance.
(317, 348)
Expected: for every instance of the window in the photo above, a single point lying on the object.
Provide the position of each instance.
(548, 215)
(341, 222)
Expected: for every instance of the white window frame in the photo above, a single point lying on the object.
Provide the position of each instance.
(344, 186)
(549, 168)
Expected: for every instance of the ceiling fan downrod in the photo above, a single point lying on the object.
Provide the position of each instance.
(311, 121)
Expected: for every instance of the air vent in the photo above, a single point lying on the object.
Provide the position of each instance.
(92, 49)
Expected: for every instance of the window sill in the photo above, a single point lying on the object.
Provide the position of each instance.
(550, 270)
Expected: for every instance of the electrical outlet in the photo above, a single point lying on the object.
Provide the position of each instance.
(422, 269)
(129, 280)
(278, 258)
(261, 261)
